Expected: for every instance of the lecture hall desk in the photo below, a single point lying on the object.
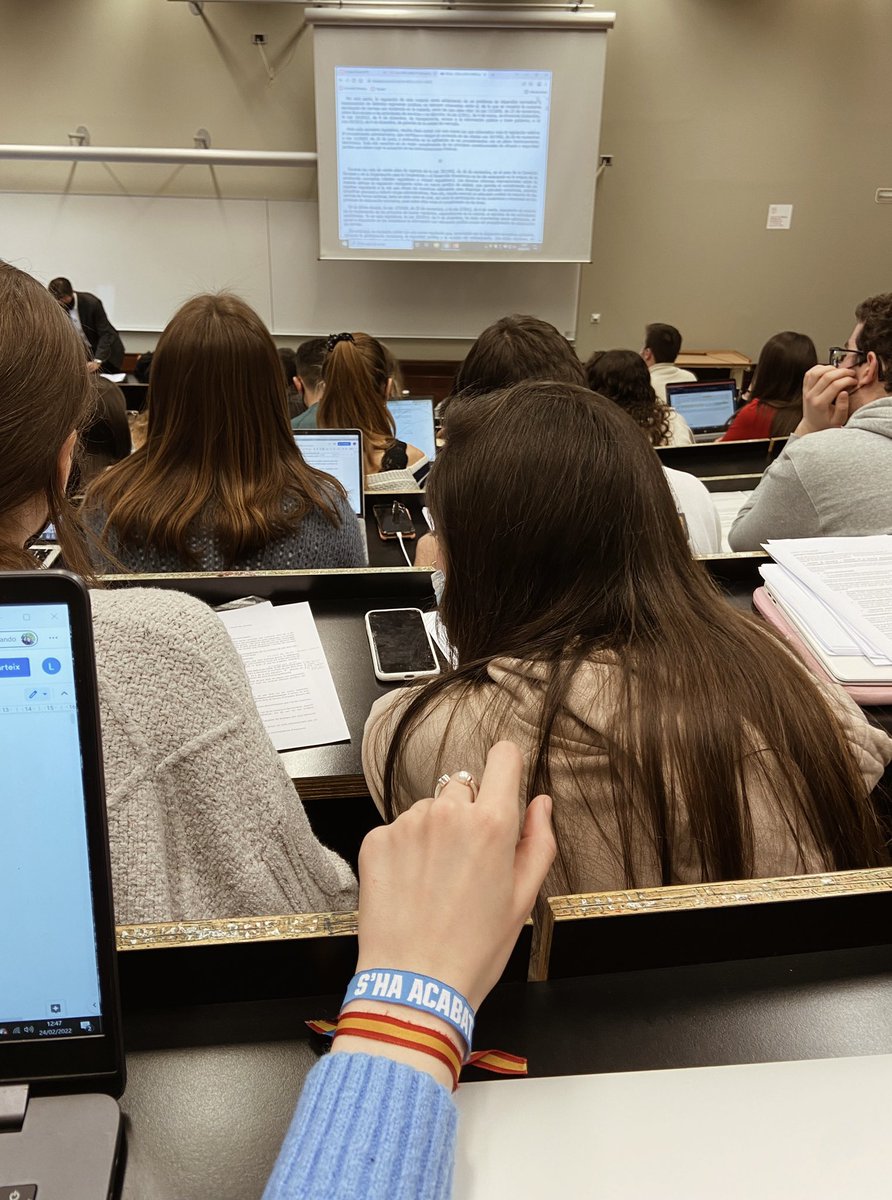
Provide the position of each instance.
(211, 1087)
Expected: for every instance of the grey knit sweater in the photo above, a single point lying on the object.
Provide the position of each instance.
(835, 483)
(316, 545)
(203, 818)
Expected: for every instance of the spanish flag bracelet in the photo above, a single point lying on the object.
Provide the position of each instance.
(379, 1028)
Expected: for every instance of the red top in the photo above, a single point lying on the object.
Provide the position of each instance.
(751, 421)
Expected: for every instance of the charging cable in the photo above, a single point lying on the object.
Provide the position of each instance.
(402, 543)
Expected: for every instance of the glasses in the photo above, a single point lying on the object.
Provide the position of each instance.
(839, 354)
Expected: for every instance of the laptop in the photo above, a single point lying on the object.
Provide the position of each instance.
(413, 418)
(61, 1052)
(337, 452)
(707, 407)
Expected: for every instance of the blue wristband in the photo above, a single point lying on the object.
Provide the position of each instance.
(410, 990)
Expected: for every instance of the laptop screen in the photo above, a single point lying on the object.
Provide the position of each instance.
(707, 407)
(337, 452)
(48, 952)
(414, 420)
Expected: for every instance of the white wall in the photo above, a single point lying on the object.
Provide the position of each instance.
(713, 110)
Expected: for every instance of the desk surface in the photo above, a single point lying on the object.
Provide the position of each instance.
(210, 1092)
(691, 359)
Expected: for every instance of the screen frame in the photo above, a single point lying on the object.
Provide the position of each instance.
(95, 1063)
(453, 40)
(427, 400)
(331, 433)
(703, 385)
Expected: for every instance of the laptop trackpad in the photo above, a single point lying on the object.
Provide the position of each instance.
(67, 1148)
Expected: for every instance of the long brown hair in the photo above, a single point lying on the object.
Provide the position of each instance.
(45, 395)
(576, 559)
(622, 376)
(356, 374)
(777, 380)
(219, 453)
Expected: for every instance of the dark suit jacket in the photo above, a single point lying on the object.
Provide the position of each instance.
(105, 341)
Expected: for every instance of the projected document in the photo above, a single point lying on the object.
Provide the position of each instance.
(442, 160)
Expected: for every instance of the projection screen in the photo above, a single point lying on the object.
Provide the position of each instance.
(468, 136)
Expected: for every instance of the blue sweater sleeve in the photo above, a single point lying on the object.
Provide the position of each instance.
(367, 1128)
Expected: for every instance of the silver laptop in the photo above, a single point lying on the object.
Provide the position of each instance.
(61, 1055)
(413, 417)
(706, 406)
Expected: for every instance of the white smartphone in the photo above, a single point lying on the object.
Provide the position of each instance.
(400, 645)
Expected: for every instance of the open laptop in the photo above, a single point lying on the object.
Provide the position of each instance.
(337, 452)
(61, 1053)
(706, 406)
(413, 417)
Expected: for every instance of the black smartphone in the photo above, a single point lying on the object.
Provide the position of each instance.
(393, 519)
(400, 644)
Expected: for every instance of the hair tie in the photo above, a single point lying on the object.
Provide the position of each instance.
(334, 338)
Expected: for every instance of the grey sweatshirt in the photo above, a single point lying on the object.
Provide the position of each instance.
(836, 483)
(203, 819)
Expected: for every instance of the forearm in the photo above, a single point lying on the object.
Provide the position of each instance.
(367, 1128)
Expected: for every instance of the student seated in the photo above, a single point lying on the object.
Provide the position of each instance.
(296, 402)
(774, 399)
(356, 385)
(515, 349)
(622, 376)
(662, 346)
(679, 739)
(308, 360)
(106, 438)
(834, 476)
(218, 484)
(520, 348)
(203, 818)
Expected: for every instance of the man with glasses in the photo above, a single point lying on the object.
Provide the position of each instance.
(834, 478)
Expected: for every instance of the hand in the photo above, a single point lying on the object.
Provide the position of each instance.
(427, 552)
(825, 398)
(93, 365)
(445, 889)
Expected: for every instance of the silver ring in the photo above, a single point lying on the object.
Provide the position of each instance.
(463, 777)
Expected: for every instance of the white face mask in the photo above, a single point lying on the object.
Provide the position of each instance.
(438, 582)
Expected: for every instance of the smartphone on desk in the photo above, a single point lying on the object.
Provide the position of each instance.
(400, 644)
(392, 519)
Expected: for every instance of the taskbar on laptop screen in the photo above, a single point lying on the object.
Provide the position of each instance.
(57, 1027)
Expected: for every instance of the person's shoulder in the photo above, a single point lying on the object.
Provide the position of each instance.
(158, 613)
(306, 419)
(686, 485)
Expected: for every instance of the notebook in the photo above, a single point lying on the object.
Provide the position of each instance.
(413, 417)
(337, 452)
(61, 1054)
(707, 407)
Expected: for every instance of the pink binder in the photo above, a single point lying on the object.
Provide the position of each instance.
(866, 694)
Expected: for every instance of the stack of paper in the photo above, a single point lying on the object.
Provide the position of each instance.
(837, 593)
(728, 506)
(288, 673)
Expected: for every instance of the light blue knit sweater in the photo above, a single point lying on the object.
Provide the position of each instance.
(367, 1128)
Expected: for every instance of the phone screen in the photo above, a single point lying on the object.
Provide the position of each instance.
(401, 641)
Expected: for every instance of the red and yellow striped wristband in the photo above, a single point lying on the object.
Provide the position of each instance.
(379, 1028)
